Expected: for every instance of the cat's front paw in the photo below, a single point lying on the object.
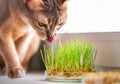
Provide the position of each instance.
(16, 73)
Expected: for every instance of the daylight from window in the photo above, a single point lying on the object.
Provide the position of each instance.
(92, 16)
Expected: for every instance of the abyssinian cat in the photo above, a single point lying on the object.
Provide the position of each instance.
(23, 23)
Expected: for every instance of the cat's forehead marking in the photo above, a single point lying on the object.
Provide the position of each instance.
(53, 7)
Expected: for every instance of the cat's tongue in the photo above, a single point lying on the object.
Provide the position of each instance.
(52, 39)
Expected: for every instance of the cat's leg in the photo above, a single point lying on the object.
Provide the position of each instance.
(2, 66)
(10, 56)
(26, 46)
(1, 62)
(22, 45)
(33, 47)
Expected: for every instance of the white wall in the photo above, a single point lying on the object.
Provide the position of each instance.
(107, 45)
(93, 16)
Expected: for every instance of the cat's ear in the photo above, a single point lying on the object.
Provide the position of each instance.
(63, 1)
(64, 4)
(25, 1)
(34, 5)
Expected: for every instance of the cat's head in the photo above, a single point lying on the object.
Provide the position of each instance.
(47, 16)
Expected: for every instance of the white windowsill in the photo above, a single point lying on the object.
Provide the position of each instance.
(30, 78)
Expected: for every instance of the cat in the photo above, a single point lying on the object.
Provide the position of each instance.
(23, 23)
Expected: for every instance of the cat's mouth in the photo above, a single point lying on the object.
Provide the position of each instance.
(53, 39)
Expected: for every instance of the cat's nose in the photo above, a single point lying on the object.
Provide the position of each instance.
(49, 35)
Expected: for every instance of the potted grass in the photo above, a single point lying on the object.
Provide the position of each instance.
(69, 61)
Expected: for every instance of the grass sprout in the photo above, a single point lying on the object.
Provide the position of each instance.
(74, 56)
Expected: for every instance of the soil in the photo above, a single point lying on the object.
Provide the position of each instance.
(68, 75)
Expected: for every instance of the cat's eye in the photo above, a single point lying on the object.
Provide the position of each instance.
(61, 24)
(39, 24)
(58, 28)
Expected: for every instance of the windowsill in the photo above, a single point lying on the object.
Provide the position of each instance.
(39, 77)
(30, 78)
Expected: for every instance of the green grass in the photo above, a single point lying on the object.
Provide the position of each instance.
(74, 56)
